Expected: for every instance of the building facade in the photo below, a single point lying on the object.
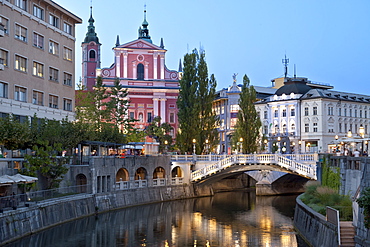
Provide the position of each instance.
(306, 117)
(226, 106)
(37, 54)
(140, 66)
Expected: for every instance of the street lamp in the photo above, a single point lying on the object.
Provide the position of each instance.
(279, 139)
(349, 134)
(165, 143)
(241, 144)
(361, 131)
(194, 141)
(206, 146)
(336, 143)
(265, 142)
(299, 146)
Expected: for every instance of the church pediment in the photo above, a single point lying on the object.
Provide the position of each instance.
(140, 44)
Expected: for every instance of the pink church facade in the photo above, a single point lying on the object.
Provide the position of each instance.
(140, 66)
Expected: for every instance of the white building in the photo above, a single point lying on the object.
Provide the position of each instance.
(305, 117)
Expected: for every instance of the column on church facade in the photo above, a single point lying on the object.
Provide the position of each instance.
(155, 69)
(125, 65)
(118, 64)
(162, 66)
(163, 110)
(146, 73)
(156, 107)
(134, 72)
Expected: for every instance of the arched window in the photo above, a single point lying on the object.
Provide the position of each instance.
(140, 71)
(92, 54)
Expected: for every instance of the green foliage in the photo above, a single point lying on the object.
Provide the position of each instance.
(45, 162)
(196, 118)
(13, 133)
(319, 197)
(160, 132)
(248, 124)
(364, 202)
(330, 175)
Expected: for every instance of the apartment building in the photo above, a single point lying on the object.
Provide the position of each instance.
(37, 65)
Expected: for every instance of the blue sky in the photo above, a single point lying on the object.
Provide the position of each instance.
(328, 41)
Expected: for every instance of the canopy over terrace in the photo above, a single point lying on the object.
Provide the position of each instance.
(351, 143)
(18, 178)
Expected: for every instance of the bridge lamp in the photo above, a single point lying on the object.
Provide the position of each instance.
(194, 141)
(165, 143)
(206, 145)
(349, 134)
(265, 142)
(279, 139)
(299, 146)
(336, 143)
(241, 144)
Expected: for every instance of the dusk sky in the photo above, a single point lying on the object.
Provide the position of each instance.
(328, 41)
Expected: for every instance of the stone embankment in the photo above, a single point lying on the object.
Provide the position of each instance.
(15, 224)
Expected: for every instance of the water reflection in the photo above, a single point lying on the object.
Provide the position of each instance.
(227, 219)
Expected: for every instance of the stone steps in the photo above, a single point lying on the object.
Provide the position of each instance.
(347, 234)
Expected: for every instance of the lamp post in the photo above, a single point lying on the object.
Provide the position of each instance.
(165, 146)
(349, 135)
(279, 139)
(206, 146)
(194, 141)
(266, 148)
(299, 146)
(241, 144)
(361, 131)
(336, 143)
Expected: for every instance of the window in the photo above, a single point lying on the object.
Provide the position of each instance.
(53, 74)
(132, 115)
(234, 108)
(140, 71)
(265, 129)
(345, 112)
(340, 112)
(172, 117)
(3, 90)
(20, 63)
(345, 127)
(67, 54)
(141, 117)
(53, 20)
(365, 112)
(350, 112)
(38, 12)
(149, 117)
(355, 113)
(67, 79)
(37, 98)
(38, 69)
(38, 40)
(21, 4)
(20, 33)
(306, 127)
(306, 111)
(314, 127)
(5, 23)
(53, 47)
(292, 112)
(67, 104)
(284, 128)
(292, 127)
(284, 112)
(67, 28)
(276, 113)
(53, 101)
(314, 112)
(360, 113)
(340, 127)
(20, 93)
(4, 57)
(330, 110)
(265, 114)
(92, 54)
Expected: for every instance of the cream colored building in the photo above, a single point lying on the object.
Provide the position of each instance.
(37, 52)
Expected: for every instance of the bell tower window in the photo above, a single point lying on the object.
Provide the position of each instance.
(92, 54)
(140, 71)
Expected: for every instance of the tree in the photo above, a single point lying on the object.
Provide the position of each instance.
(186, 104)
(13, 133)
(196, 119)
(45, 163)
(160, 132)
(248, 124)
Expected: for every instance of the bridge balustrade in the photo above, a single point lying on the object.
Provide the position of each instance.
(177, 180)
(140, 183)
(159, 182)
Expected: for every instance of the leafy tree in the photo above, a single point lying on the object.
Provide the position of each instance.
(186, 104)
(248, 124)
(196, 119)
(13, 133)
(45, 163)
(160, 132)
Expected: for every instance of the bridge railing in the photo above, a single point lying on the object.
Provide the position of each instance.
(284, 161)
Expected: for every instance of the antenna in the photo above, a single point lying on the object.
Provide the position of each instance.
(285, 62)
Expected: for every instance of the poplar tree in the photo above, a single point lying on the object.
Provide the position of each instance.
(196, 119)
(186, 104)
(248, 124)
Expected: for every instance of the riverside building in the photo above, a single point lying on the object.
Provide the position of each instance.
(37, 66)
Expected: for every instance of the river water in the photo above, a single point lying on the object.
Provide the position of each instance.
(226, 219)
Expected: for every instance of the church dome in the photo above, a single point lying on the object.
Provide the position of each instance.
(294, 85)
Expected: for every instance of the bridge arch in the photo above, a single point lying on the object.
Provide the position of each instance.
(141, 173)
(122, 175)
(177, 172)
(159, 172)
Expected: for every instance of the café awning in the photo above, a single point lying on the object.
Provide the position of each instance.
(18, 178)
